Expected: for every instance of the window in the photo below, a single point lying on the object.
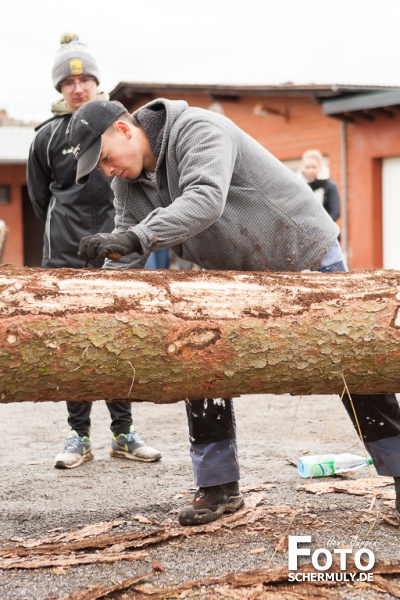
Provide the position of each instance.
(5, 194)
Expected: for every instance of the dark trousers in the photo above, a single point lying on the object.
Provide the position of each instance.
(377, 421)
(210, 420)
(212, 436)
(79, 416)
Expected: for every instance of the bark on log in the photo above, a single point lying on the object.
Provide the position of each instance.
(164, 336)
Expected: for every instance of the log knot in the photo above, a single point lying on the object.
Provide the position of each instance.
(193, 340)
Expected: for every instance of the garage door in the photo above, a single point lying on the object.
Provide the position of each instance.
(391, 212)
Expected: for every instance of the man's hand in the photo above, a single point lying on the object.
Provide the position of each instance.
(104, 244)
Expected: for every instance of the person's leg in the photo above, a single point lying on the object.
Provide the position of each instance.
(377, 421)
(151, 261)
(213, 450)
(159, 259)
(212, 436)
(163, 258)
(126, 442)
(79, 417)
(78, 447)
(376, 418)
(121, 416)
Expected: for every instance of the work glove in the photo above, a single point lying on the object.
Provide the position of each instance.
(109, 245)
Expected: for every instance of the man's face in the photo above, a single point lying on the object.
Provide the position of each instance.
(78, 90)
(122, 152)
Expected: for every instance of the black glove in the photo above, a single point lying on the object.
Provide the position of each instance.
(104, 244)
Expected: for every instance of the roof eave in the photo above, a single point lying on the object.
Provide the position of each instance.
(133, 91)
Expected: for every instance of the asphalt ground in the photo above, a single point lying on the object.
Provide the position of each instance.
(121, 498)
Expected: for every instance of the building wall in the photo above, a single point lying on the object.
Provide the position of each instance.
(286, 126)
(13, 175)
(368, 143)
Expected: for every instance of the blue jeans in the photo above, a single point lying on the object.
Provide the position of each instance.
(160, 259)
(336, 268)
(333, 261)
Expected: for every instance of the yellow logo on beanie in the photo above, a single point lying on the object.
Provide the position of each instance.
(75, 66)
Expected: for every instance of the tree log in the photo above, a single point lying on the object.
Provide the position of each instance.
(164, 336)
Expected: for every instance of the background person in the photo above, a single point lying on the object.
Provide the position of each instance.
(70, 211)
(3, 238)
(190, 179)
(314, 172)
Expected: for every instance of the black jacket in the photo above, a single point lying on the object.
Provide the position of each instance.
(69, 211)
(331, 201)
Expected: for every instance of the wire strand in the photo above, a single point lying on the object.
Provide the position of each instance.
(302, 495)
(374, 501)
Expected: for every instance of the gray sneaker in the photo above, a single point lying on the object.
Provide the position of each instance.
(129, 445)
(77, 451)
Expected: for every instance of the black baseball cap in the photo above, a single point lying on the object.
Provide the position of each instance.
(84, 132)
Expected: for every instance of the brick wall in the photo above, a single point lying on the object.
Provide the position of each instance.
(368, 143)
(13, 175)
(286, 126)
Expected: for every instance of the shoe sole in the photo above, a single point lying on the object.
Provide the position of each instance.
(59, 464)
(189, 516)
(121, 454)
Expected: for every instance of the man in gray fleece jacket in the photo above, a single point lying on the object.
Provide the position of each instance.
(190, 179)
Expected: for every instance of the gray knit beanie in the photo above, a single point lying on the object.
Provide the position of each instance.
(73, 58)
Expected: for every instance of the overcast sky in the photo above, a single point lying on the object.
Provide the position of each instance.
(198, 41)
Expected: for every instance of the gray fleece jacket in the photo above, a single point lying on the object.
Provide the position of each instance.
(219, 199)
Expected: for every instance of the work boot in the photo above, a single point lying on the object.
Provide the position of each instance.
(397, 488)
(210, 503)
(78, 449)
(130, 445)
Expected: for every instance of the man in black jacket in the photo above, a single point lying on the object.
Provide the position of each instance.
(70, 211)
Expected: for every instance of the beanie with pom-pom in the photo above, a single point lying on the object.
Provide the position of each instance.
(73, 58)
